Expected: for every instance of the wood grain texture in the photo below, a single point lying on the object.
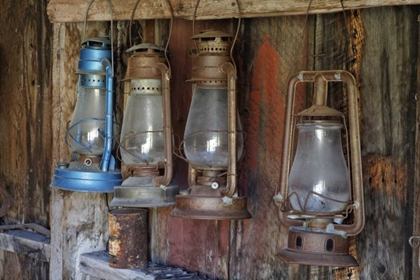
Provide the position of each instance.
(26, 242)
(195, 245)
(416, 190)
(74, 11)
(25, 123)
(388, 90)
(268, 52)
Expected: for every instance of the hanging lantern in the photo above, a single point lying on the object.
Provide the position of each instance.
(323, 185)
(146, 134)
(213, 139)
(91, 134)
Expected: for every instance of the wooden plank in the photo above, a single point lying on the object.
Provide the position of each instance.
(97, 264)
(74, 11)
(416, 191)
(271, 50)
(25, 124)
(29, 243)
(388, 87)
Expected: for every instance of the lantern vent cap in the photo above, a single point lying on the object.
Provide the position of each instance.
(320, 111)
(208, 34)
(97, 43)
(146, 48)
(211, 42)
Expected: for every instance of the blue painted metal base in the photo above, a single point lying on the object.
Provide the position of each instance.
(91, 179)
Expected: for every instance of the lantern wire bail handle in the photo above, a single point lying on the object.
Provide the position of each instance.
(110, 30)
(169, 35)
(236, 34)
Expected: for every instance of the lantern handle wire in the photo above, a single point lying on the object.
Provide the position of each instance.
(169, 35)
(110, 30)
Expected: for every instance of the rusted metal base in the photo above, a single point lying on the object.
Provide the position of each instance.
(128, 238)
(317, 248)
(210, 208)
(140, 192)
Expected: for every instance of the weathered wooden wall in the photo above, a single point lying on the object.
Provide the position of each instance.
(381, 49)
(379, 46)
(25, 124)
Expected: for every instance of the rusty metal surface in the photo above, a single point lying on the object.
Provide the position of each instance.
(142, 64)
(206, 70)
(214, 67)
(210, 208)
(317, 248)
(320, 80)
(141, 192)
(136, 170)
(128, 238)
(149, 62)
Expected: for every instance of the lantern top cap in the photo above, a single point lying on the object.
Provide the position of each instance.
(145, 47)
(97, 42)
(320, 111)
(211, 34)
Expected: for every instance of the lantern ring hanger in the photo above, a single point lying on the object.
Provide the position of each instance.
(414, 241)
(110, 30)
(236, 34)
(169, 35)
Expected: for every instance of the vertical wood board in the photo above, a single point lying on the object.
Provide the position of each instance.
(25, 123)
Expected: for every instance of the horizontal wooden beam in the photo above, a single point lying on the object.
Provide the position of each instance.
(30, 243)
(74, 10)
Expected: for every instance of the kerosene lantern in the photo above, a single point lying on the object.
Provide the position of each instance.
(321, 193)
(213, 139)
(146, 134)
(91, 132)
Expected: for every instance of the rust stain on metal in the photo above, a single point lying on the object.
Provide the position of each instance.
(128, 238)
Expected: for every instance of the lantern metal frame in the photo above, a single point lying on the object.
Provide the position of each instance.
(147, 188)
(212, 67)
(87, 174)
(313, 238)
(143, 186)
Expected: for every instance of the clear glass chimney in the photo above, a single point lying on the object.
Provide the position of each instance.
(206, 137)
(142, 138)
(88, 121)
(319, 173)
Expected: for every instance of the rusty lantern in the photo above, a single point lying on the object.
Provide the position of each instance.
(324, 184)
(213, 139)
(146, 134)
